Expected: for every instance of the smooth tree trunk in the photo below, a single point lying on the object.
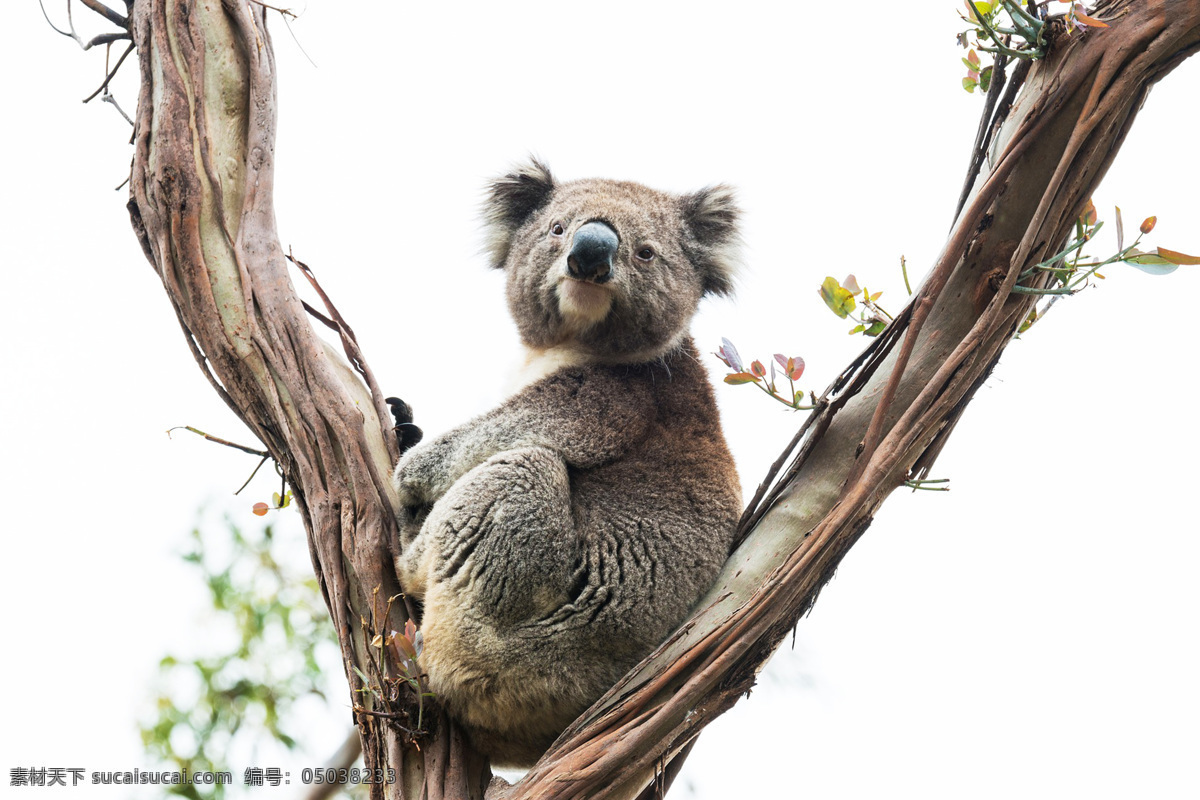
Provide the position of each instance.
(201, 204)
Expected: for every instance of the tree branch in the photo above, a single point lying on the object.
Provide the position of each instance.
(1063, 132)
(202, 207)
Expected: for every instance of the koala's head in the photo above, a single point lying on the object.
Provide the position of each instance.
(613, 269)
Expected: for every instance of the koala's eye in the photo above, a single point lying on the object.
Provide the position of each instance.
(557, 229)
(645, 254)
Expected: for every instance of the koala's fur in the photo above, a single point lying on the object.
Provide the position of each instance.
(555, 540)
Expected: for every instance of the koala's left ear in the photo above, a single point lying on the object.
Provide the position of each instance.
(511, 200)
(714, 244)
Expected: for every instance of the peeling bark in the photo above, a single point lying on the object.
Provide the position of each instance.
(202, 207)
(201, 204)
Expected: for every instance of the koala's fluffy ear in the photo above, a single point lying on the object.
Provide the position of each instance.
(511, 199)
(711, 215)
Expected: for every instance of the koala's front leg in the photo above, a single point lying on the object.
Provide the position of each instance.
(422, 477)
(425, 473)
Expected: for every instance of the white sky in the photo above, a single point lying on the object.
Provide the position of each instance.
(1030, 633)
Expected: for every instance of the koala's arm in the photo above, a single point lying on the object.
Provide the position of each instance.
(589, 416)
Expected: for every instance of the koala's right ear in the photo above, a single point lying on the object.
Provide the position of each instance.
(511, 200)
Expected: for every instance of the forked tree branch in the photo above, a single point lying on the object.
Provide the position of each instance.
(202, 207)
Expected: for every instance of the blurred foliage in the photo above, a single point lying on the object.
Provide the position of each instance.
(239, 697)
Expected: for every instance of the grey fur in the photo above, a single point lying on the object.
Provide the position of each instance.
(556, 539)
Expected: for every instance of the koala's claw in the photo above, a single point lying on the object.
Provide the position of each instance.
(401, 410)
(407, 434)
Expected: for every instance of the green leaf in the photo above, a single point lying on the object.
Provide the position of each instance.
(876, 328)
(840, 301)
(969, 84)
(1151, 263)
(985, 79)
(857, 329)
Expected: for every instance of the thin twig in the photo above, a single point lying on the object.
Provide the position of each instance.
(282, 11)
(252, 474)
(979, 149)
(112, 73)
(107, 38)
(752, 506)
(112, 16)
(389, 715)
(287, 17)
(68, 33)
(1010, 95)
(324, 320)
(353, 353)
(288, 24)
(112, 100)
(219, 440)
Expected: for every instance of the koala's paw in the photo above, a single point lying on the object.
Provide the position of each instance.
(407, 434)
(421, 478)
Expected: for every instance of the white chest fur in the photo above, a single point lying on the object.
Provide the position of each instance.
(537, 364)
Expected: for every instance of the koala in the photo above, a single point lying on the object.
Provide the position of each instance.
(555, 540)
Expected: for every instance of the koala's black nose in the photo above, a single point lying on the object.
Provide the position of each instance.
(592, 252)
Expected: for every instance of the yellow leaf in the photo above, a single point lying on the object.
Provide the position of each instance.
(1176, 257)
(1089, 213)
